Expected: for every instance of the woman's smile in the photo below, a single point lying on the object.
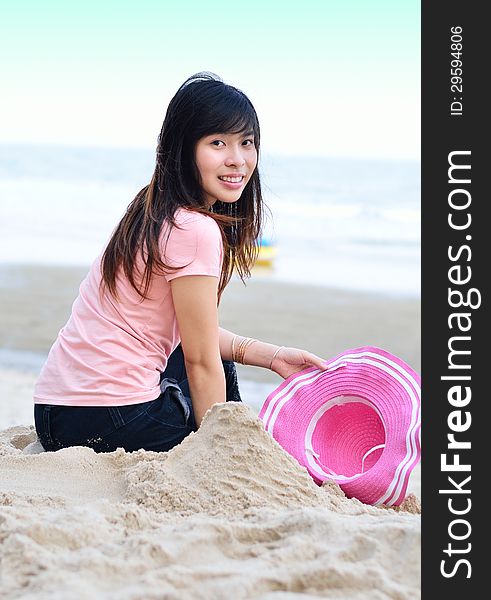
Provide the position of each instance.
(233, 182)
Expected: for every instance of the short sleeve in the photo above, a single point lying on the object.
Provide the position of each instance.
(195, 246)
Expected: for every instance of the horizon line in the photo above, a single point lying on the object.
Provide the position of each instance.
(264, 153)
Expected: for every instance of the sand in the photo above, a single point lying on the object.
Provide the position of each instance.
(226, 514)
(35, 303)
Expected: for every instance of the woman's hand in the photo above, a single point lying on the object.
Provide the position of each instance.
(291, 360)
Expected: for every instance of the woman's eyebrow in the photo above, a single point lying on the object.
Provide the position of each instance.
(241, 134)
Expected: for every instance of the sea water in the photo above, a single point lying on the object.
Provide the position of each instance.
(346, 223)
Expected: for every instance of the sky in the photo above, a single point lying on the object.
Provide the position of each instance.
(327, 77)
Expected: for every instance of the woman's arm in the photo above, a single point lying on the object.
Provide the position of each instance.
(282, 360)
(258, 354)
(195, 303)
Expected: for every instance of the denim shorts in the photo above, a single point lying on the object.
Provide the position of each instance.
(157, 425)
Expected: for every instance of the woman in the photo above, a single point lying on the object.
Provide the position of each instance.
(142, 357)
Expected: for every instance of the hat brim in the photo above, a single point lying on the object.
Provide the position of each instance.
(375, 379)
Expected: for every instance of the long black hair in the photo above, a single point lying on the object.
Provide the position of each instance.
(202, 106)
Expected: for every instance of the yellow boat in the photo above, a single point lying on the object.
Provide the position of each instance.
(267, 253)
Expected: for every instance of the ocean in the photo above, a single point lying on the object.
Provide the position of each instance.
(345, 223)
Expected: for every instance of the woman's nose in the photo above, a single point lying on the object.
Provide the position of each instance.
(235, 157)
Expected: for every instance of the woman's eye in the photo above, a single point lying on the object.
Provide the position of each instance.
(248, 142)
(217, 142)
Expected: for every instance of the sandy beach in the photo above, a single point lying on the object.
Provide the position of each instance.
(228, 513)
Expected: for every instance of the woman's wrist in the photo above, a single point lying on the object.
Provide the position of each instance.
(274, 356)
(249, 351)
(239, 348)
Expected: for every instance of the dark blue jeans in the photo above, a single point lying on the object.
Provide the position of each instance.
(157, 425)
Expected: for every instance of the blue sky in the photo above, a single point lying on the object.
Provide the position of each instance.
(327, 78)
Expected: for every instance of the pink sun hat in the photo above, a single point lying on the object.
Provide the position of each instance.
(357, 423)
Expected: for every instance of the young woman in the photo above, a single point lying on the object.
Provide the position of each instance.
(142, 357)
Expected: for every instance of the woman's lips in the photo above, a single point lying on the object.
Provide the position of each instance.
(232, 182)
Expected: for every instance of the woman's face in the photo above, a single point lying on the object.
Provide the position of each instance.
(225, 163)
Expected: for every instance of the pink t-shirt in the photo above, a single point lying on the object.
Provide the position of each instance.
(111, 352)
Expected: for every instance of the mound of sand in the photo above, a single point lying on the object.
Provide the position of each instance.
(226, 514)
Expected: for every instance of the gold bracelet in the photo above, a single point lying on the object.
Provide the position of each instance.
(240, 352)
(237, 353)
(249, 343)
(274, 356)
(233, 348)
(244, 342)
